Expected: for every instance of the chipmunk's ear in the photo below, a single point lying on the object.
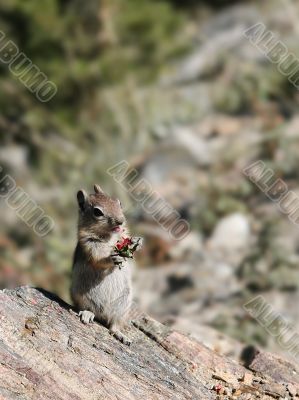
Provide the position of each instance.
(97, 189)
(82, 198)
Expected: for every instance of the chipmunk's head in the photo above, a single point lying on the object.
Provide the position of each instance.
(100, 215)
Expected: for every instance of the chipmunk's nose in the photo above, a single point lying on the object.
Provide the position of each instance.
(116, 222)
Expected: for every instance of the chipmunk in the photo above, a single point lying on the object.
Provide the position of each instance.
(101, 280)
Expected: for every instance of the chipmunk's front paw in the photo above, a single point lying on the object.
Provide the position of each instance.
(137, 242)
(117, 260)
(86, 316)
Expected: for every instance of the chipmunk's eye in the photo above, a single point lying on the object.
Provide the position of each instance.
(97, 212)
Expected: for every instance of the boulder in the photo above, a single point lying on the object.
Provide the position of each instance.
(46, 353)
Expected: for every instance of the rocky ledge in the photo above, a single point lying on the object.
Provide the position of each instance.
(46, 353)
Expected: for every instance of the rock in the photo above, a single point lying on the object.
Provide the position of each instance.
(284, 306)
(231, 239)
(189, 248)
(15, 158)
(197, 147)
(171, 170)
(208, 57)
(183, 289)
(46, 353)
(247, 14)
(292, 128)
(176, 156)
(222, 35)
(269, 364)
(210, 337)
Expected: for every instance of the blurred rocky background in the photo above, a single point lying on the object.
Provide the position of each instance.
(174, 88)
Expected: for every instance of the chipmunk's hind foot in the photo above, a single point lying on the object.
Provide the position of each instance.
(120, 336)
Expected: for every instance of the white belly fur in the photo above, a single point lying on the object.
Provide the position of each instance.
(107, 295)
